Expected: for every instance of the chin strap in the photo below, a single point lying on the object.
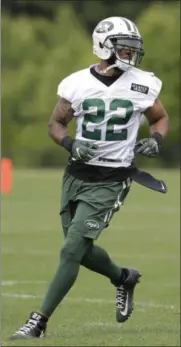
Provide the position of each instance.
(116, 65)
(108, 68)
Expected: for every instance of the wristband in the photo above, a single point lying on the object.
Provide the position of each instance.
(158, 137)
(67, 143)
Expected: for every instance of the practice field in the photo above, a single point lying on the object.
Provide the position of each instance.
(144, 234)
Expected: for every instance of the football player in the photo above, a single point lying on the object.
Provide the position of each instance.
(106, 100)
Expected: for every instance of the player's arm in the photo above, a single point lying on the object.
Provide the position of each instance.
(58, 131)
(157, 118)
(159, 122)
(58, 123)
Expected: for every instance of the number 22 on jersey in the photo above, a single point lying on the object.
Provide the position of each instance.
(99, 116)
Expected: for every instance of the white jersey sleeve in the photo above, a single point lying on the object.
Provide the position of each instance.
(155, 85)
(72, 88)
(64, 89)
(69, 86)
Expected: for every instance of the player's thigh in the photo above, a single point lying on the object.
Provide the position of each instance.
(70, 186)
(96, 206)
(87, 221)
(75, 244)
(67, 215)
(65, 221)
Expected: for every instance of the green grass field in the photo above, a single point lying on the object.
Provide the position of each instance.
(143, 234)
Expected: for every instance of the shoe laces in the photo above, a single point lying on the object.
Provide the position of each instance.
(30, 325)
(121, 297)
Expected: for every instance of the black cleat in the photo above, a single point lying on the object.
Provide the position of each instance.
(35, 327)
(124, 295)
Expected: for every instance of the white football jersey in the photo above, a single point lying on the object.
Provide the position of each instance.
(110, 116)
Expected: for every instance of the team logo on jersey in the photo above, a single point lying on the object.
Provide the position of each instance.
(92, 224)
(139, 88)
(104, 27)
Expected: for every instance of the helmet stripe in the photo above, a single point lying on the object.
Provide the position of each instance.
(127, 23)
(130, 25)
(135, 28)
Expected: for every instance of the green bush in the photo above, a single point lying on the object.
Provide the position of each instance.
(37, 54)
(160, 26)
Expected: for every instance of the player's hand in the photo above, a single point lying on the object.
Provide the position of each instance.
(148, 147)
(83, 151)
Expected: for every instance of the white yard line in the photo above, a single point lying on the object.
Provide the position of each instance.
(20, 296)
(13, 283)
(102, 324)
(171, 256)
(33, 252)
(133, 207)
(141, 305)
(39, 252)
(132, 228)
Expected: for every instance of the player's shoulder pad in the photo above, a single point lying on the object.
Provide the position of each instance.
(69, 84)
(149, 80)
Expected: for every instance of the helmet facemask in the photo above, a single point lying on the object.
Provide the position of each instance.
(130, 47)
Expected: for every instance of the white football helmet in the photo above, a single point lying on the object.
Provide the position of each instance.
(112, 35)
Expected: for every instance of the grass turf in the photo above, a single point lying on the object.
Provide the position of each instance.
(143, 234)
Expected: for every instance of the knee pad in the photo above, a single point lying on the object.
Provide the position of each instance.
(75, 246)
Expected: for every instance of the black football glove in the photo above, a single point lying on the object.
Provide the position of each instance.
(149, 147)
(83, 151)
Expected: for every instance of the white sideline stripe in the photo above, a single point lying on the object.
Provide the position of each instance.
(156, 209)
(30, 252)
(39, 252)
(132, 207)
(103, 324)
(173, 256)
(21, 229)
(13, 283)
(89, 300)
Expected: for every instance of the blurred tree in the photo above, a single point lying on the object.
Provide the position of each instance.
(36, 56)
(94, 11)
(160, 26)
(34, 8)
(88, 12)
